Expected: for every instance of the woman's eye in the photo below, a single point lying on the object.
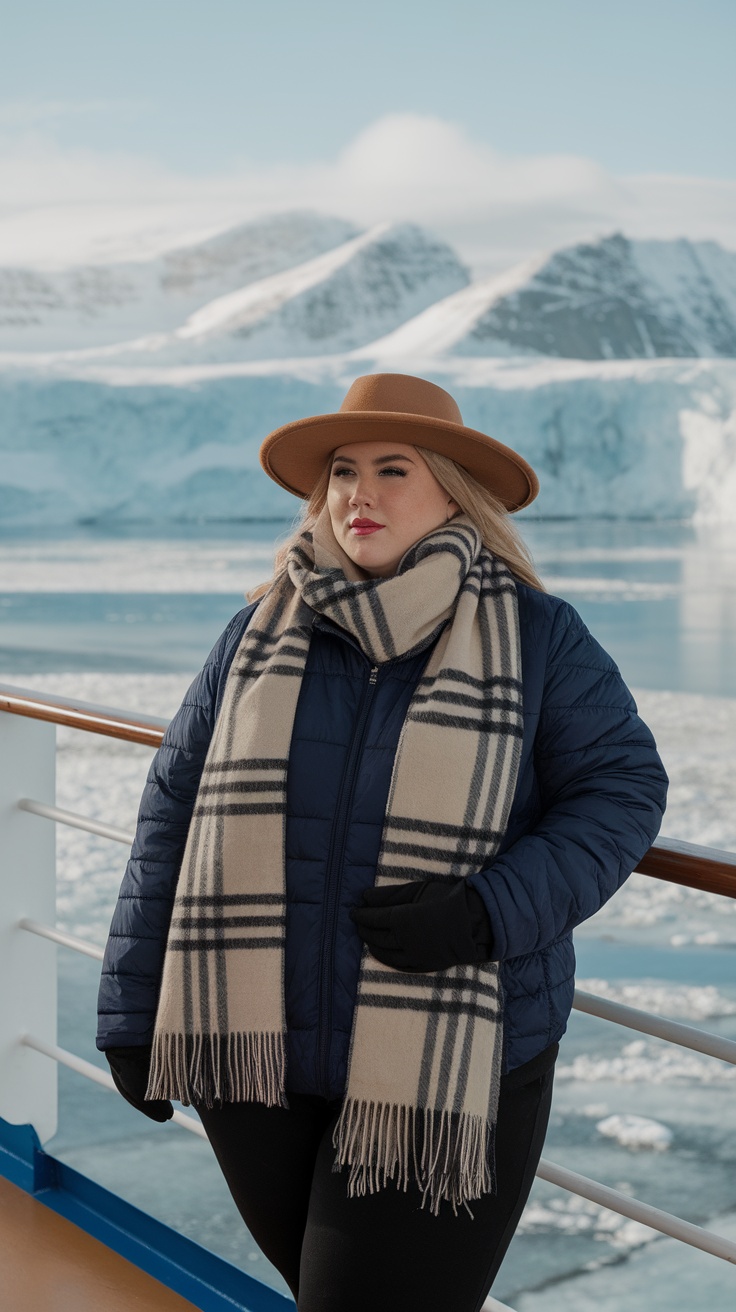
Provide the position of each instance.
(390, 469)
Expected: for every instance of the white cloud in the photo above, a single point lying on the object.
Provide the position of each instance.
(406, 157)
(64, 205)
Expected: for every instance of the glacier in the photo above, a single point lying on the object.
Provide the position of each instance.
(623, 439)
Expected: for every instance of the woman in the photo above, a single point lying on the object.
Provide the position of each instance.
(404, 775)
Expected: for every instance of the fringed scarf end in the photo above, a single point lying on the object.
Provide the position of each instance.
(210, 1068)
(448, 1155)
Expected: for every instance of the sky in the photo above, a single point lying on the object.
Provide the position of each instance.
(505, 127)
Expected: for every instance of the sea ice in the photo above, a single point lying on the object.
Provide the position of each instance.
(569, 1214)
(682, 1001)
(636, 1132)
(644, 1061)
(659, 1277)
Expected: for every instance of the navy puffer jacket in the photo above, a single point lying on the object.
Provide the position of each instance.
(588, 804)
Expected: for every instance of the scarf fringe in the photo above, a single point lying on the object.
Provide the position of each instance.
(209, 1068)
(448, 1155)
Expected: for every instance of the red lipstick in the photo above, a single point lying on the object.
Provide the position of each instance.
(362, 527)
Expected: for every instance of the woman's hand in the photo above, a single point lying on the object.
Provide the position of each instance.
(130, 1067)
(430, 924)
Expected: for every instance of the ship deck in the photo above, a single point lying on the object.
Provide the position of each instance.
(48, 1262)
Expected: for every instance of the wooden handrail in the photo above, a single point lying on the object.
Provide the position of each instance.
(110, 722)
(706, 868)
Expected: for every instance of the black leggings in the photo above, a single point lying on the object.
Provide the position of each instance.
(340, 1254)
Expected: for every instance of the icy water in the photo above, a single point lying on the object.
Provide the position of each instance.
(126, 619)
(661, 597)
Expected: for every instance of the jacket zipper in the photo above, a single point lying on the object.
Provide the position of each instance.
(334, 878)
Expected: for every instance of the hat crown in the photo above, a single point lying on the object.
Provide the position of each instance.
(401, 394)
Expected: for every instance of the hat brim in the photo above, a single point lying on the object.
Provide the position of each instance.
(295, 454)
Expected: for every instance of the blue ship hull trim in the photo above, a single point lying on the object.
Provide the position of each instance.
(206, 1280)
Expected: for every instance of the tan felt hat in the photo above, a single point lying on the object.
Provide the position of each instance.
(396, 408)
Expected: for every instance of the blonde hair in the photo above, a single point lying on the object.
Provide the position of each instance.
(493, 521)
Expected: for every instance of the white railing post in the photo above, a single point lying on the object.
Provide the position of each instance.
(28, 1080)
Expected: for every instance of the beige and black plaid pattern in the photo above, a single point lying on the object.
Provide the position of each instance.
(422, 1088)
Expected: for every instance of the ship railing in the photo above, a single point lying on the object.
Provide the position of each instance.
(28, 1086)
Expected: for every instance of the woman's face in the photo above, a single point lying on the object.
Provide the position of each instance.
(386, 484)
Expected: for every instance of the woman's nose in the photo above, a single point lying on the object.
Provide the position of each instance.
(362, 493)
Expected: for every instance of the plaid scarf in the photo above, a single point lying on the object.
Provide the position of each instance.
(425, 1052)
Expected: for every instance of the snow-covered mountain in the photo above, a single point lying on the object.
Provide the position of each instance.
(337, 300)
(612, 299)
(97, 305)
(304, 284)
(333, 303)
(610, 438)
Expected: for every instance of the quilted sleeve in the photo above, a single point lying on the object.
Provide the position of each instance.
(603, 789)
(133, 961)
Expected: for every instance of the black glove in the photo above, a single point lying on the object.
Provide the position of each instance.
(428, 925)
(130, 1067)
